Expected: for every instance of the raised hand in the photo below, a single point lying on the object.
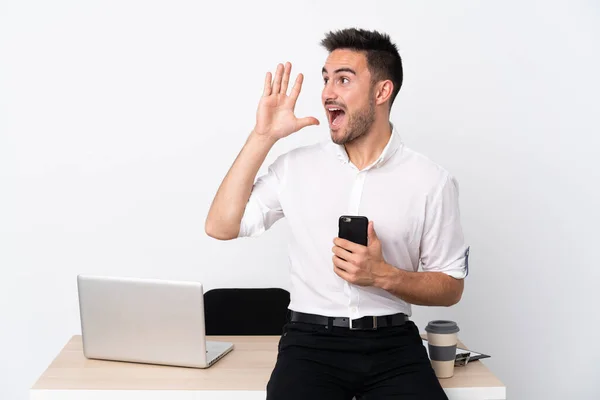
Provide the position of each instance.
(275, 115)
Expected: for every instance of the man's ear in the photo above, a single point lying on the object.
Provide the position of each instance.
(383, 92)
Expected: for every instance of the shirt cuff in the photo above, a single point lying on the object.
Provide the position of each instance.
(460, 268)
(252, 223)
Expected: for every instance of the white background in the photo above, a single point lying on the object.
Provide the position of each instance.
(118, 120)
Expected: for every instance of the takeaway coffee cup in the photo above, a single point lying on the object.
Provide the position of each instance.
(441, 341)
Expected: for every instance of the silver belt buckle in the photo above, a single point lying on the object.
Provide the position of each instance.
(353, 329)
(350, 324)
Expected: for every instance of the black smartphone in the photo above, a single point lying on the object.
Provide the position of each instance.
(353, 228)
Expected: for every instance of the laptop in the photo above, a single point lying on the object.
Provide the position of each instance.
(146, 321)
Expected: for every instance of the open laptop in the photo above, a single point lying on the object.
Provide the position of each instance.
(146, 321)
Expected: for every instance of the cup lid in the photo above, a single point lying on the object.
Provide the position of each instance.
(442, 326)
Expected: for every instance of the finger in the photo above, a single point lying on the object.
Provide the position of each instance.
(342, 265)
(307, 121)
(341, 271)
(296, 89)
(343, 254)
(277, 80)
(267, 88)
(371, 232)
(286, 78)
(348, 245)
(342, 274)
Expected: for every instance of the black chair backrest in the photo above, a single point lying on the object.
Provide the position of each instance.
(246, 311)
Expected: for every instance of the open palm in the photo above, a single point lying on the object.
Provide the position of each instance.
(275, 116)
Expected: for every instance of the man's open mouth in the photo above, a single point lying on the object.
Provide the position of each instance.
(336, 116)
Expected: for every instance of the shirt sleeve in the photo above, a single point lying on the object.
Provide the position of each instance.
(264, 208)
(443, 247)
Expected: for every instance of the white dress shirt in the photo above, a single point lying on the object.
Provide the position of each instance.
(412, 202)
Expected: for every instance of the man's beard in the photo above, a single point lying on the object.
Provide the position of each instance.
(358, 124)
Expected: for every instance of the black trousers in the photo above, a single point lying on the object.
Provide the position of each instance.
(318, 362)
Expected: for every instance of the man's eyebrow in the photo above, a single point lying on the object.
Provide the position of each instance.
(344, 69)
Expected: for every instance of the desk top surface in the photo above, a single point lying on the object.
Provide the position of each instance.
(247, 367)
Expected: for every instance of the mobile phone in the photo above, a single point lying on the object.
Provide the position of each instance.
(353, 228)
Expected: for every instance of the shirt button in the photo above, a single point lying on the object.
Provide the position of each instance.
(354, 310)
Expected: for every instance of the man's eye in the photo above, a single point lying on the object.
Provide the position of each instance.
(325, 81)
(344, 80)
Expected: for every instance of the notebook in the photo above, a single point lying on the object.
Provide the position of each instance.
(463, 356)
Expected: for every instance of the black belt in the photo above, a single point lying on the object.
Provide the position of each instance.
(364, 323)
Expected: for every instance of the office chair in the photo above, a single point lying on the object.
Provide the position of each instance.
(246, 311)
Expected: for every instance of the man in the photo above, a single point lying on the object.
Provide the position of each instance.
(349, 333)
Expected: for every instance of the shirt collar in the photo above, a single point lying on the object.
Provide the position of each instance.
(389, 150)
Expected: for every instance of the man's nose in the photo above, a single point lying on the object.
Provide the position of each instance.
(328, 92)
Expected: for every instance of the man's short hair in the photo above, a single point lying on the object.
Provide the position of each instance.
(383, 59)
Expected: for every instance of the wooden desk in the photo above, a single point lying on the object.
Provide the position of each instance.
(242, 374)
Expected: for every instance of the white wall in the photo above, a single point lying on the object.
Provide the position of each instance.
(118, 119)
